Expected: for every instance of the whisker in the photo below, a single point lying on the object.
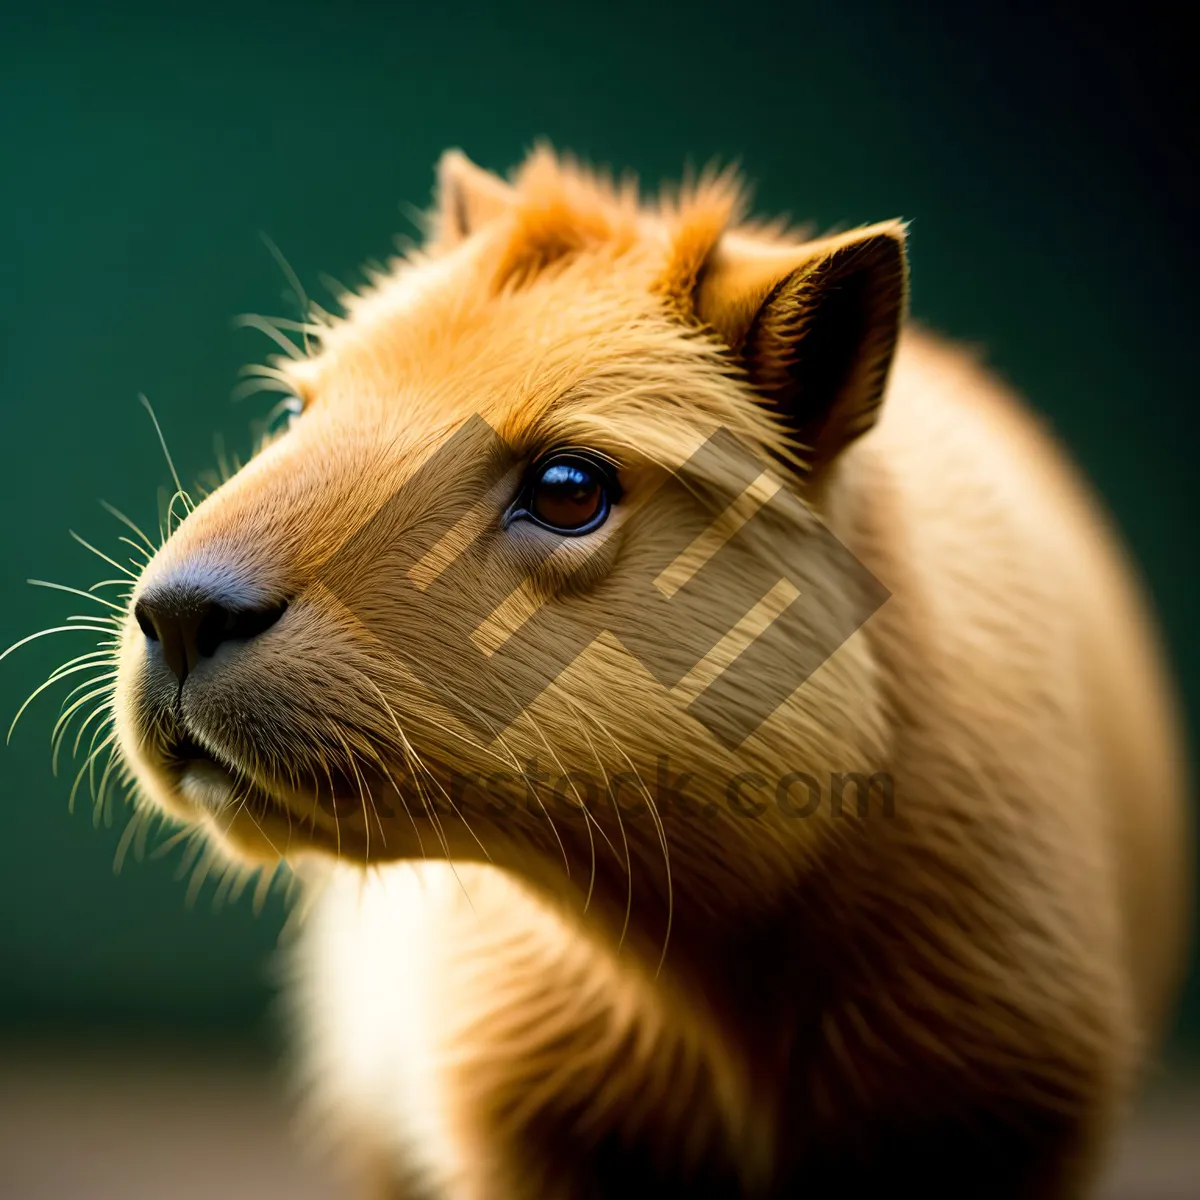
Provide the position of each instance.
(309, 327)
(188, 505)
(223, 883)
(100, 809)
(362, 796)
(61, 673)
(100, 554)
(553, 827)
(143, 833)
(54, 629)
(239, 884)
(263, 888)
(180, 490)
(578, 713)
(438, 827)
(368, 751)
(99, 711)
(72, 706)
(252, 387)
(265, 371)
(662, 837)
(254, 321)
(392, 717)
(337, 825)
(191, 853)
(140, 549)
(200, 875)
(208, 483)
(91, 654)
(164, 848)
(62, 725)
(334, 287)
(62, 587)
(140, 817)
(223, 472)
(86, 768)
(413, 756)
(293, 279)
(617, 812)
(116, 512)
(414, 761)
(373, 754)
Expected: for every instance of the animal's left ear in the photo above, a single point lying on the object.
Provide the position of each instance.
(814, 325)
(467, 197)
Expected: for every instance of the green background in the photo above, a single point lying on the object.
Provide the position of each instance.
(1043, 165)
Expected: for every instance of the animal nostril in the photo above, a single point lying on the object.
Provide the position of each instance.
(142, 612)
(190, 626)
(250, 622)
(220, 624)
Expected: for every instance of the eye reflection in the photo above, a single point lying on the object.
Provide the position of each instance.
(568, 493)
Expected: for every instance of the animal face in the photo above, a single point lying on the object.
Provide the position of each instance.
(405, 627)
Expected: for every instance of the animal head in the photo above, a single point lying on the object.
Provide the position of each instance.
(435, 615)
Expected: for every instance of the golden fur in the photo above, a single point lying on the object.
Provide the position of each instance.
(956, 999)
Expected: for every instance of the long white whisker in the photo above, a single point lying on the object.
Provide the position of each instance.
(54, 678)
(116, 512)
(99, 711)
(140, 817)
(54, 629)
(200, 874)
(63, 724)
(254, 321)
(166, 453)
(294, 279)
(62, 587)
(99, 808)
(187, 504)
(100, 554)
(164, 848)
(86, 768)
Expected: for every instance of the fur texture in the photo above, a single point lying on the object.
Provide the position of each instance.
(568, 1000)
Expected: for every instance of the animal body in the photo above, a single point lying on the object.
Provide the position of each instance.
(563, 978)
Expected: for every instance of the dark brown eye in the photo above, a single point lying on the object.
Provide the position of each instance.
(567, 494)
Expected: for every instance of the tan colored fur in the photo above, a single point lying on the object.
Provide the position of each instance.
(959, 998)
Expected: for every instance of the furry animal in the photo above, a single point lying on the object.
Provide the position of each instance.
(516, 989)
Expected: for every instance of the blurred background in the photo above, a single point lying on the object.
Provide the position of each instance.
(1044, 160)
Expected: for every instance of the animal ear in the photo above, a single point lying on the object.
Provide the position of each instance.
(467, 197)
(814, 326)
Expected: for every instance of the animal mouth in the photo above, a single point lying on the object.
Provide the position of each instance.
(184, 750)
(214, 785)
(209, 782)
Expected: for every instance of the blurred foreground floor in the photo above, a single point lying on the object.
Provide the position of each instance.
(171, 1127)
(127, 1129)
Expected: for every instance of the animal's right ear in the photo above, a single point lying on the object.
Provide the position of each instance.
(467, 197)
(814, 325)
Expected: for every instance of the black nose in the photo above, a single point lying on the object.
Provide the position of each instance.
(190, 625)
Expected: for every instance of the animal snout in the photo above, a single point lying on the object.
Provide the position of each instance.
(190, 621)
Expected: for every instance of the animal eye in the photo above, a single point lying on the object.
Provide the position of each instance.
(283, 415)
(568, 493)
